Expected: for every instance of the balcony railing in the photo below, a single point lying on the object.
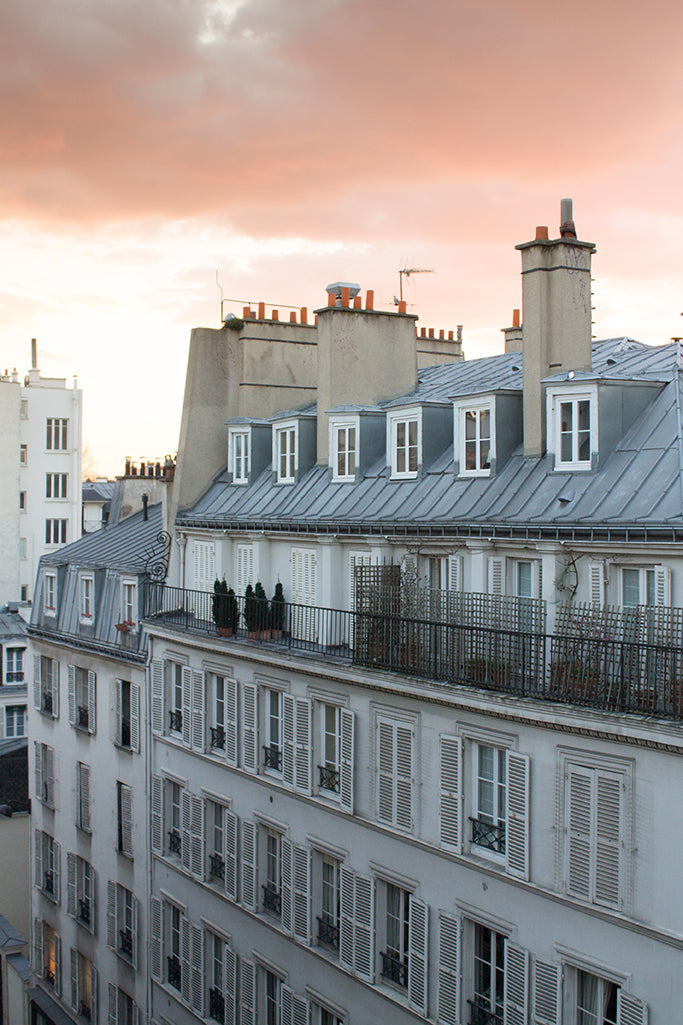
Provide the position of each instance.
(328, 932)
(488, 835)
(175, 721)
(621, 661)
(174, 841)
(218, 737)
(394, 969)
(173, 971)
(216, 867)
(329, 779)
(16, 676)
(82, 717)
(126, 942)
(272, 757)
(480, 1015)
(271, 899)
(216, 1005)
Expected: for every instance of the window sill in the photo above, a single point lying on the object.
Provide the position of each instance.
(572, 467)
(465, 474)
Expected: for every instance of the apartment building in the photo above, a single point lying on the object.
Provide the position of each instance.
(437, 782)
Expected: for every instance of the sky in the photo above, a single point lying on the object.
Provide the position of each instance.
(149, 149)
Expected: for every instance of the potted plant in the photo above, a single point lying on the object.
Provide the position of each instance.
(233, 610)
(220, 608)
(277, 612)
(251, 613)
(263, 615)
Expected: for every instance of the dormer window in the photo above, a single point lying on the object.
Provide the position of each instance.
(87, 599)
(344, 449)
(285, 454)
(50, 594)
(238, 455)
(474, 442)
(404, 436)
(572, 427)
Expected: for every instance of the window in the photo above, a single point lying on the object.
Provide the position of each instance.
(56, 435)
(83, 796)
(122, 915)
(596, 1000)
(217, 698)
(82, 698)
(14, 663)
(80, 891)
(475, 440)
(47, 954)
(124, 819)
(15, 721)
(272, 893)
(638, 586)
(122, 1009)
(173, 957)
(45, 774)
(23, 409)
(272, 749)
(572, 427)
(129, 602)
(173, 796)
(394, 772)
(56, 485)
(46, 684)
(215, 835)
(55, 532)
(46, 853)
(22, 501)
(50, 594)
(272, 997)
(215, 951)
(83, 986)
(394, 957)
(329, 782)
(489, 801)
(238, 457)
(87, 610)
(23, 455)
(175, 715)
(285, 454)
(404, 445)
(127, 721)
(328, 919)
(487, 1004)
(344, 451)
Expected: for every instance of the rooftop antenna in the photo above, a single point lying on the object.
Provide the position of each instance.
(220, 289)
(406, 272)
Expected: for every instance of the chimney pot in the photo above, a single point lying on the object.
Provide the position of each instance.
(450, 336)
(304, 315)
(431, 332)
(331, 299)
(370, 299)
(261, 311)
(246, 312)
(515, 318)
(292, 317)
(541, 232)
(402, 306)
(275, 315)
(345, 297)
(423, 332)
(357, 303)
(441, 334)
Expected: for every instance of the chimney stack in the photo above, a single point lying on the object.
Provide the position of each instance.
(34, 354)
(513, 335)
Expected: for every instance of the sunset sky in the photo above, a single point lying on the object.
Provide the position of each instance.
(290, 143)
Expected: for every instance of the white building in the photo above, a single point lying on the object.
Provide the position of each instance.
(40, 458)
(438, 784)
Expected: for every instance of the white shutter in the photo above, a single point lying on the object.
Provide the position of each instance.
(74, 979)
(450, 812)
(92, 702)
(126, 820)
(300, 1010)
(58, 965)
(386, 773)
(197, 969)
(49, 775)
(517, 814)
(356, 559)
(249, 728)
(84, 795)
(286, 997)
(286, 888)
(249, 865)
(547, 993)
(578, 832)
(197, 838)
(597, 582)
(186, 830)
(515, 985)
(55, 688)
(38, 858)
(346, 887)
(71, 884)
(244, 567)
(186, 709)
(38, 762)
(118, 714)
(448, 985)
(288, 712)
(135, 930)
(608, 820)
(58, 871)
(155, 928)
(302, 745)
(455, 573)
(347, 722)
(198, 710)
(418, 936)
(231, 720)
(38, 947)
(37, 683)
(185, 954)
(662, 585)
(404, 777)
(112, 922)
(230, 985)
(113, 1004)
(395, 773)
(630, 1010)
(157, 815)
(157, 696)
(301, 879)
(496, 574)
(94, 998)
(247, 992)
(72, 695)
(230, 854)
(357, 938)
(135, 717)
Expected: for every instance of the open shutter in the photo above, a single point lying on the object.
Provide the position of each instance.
(455, 572)
(198, 710)
(55, 688)
(517, 815)
(450, 811)
(347, 888)
(496, 574)
(364, 929)
(249, 866)
(346, 761)
(247, 992)
(662, 585)
(155, 928)
(185, 956)
(578, 832)
(286, 997)
(630, 1010)
(186, 831)
(74, 980)
(197, 969)
(197, 841)
(49, 776)
(38, 752)
(134, 717)
(547, 993)
(157, 814)
(301, 879)
(230, 855)
(113, 1015)
(231, 720)
(597, 582)
(37, 685)
(38, 858)
(58, 965)
(157, 696)
(72, 695)
(112, 925)
(38, 947)
(71, 885)
(608, 819)
(286, 889)
(118, 714)
(288, 713)
(84, 795)
(418, 934)
(58, 871)
(302, 745)
(448, 984)
(92, 702)
(386, 772)
(230, 985)
(515, 985)
(94, 995)
(249, 728)
(126, 820)
(186, 709)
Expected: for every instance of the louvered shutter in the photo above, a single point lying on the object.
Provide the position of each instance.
(386, 773)
(92, 702)
(418, 936)
(517, 814)
(249, 865)
(74, 980)
(357, 942)
(49, 775)
(112, 923)
(662, 585)
(347, 723)
(286, 996)
(118, 713)
(286, 888)
(37, 683)
(515, 985)
(71, 885)
(58, 965)
(113, 1004)
(496, 574)
(608, 817)
(395, 772)
(294, 1007)
(230, 854)
(247, 992)
(186, 710)
(547, 993)
(578, 832)
(157, 814)
(197, 841)
(356, 559)
(301, 879)
(94, 995)
(155, 928)
(450, 812)
(84, 795)
(197, 969)
(597, 582)
(126, 820)
(288, 713)
(157, 696)
(38, 763)
(38, 947)
(231, 720)
(185, 958)
(135, 930)
(630, 1010)
(72, 695)
(249, 728)
(347, 888)
(448, 984)
(58, 871)
(186, 830)
(230, 985)
(404, 777)
(302, 745)
(198, 710)
(38, 858)
(134, 717)
(55, 688)
(455, 573)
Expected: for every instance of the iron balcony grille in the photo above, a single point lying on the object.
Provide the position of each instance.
(272, 757)
(15, 677)
(329, 779)
(486, 834)
(218, 737)
(49, 882)
(173, 971)
(174, 841)
(216, 867)
(84, 912)
(216, 1005)
(83, 717)
(272, 900)
(47, 702)
(394, 969)
(480, 1015)
(126, 942)
(176, 721)
(328, 932)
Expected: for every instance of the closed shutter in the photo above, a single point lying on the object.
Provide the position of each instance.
(448, 982)
(55, 688)
(157, 815)
(450, 811)
(38, 858)
(247, 992)
(301, 879)
(455, 573)
(83, 796)
(418, 935)
(249, 728)
(662, 585)
(608, 824)
(347, 723)
(515, 985)
(578, 832)
(244, 568)
(230, 854)
(186, 709)
(517, 815)
(71, 885)
(230, 985)
(38, 764)
(185, 956)
(630, 1010)
(92, 702)
(204, 565)
(38, 947)
(296, 733)
(597, 582)
(304, 576)
(155, 929)
(197, 839)
(158, 697)
(356, 559)
(186, 830)
(72, 695)
(249, 865)
(198, 706)
(112, 923)
(126, 820)
(197, 969)
(496, 574)
(357, 942)
(547, 993)
(230, 721)
(113, 1016)
(286, 892)
(135, 717)
(395, 773)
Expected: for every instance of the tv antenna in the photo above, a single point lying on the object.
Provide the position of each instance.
(406, 272)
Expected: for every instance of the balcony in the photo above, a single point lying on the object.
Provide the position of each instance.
(480, 1015)
(218, 738)
(216, 1005)
(84, 912)
(394, 969)
(175, 721)
(328, 932)
(216, 867)
(173, 969)
(272, 757)
(82, 717)
(271, 899)
(488, 835)
(329, 779)
(126, 942)
(174, 842)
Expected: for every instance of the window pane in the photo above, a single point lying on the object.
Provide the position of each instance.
(631, 587)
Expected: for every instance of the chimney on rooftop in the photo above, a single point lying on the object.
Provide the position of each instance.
(34, 354)
(513, 335)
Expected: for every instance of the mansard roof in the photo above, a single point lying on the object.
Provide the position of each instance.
(119, 547)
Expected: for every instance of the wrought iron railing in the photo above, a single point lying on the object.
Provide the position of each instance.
(173, 971)
(394, 968)
(328, 932)
(272, 900)
(329, 779)
(218, 737)
(216, 1005)
(175, 721)
(83, 716)
(216, 867)
(174, 841)
(480, 1015)
(126, 942)
(620, 671)
(486, 834)
(272, 757)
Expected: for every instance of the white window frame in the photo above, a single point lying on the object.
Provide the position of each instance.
(15, 720)
(57, 434)
(554, 398)
(661, 583)
(286, 445)
(405, 416)
(86, 612)
(14, 664)
(56, 486)
(460, 410)
(475, 749)
(50, 602)
(56, 531)
(334, 766)
(129, 602)
(239, 462)
(339, 426)
(273, 738)
(513, 569)
(23, 455)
